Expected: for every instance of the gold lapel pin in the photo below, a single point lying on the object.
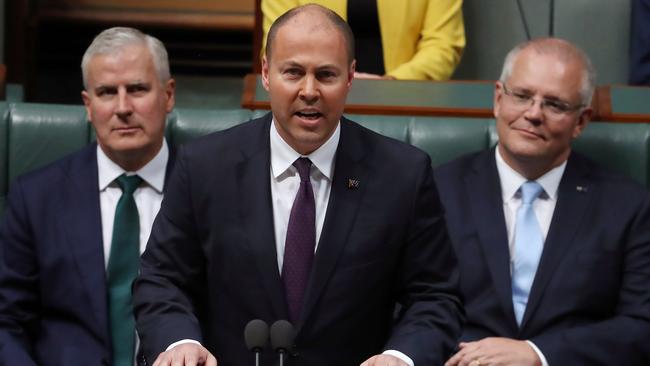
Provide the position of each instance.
(353, 183)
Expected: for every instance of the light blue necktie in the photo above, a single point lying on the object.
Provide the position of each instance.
(529, 243)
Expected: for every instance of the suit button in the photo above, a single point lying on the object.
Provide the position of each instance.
(294, 351)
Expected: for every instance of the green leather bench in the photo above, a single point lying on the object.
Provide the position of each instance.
(32, 135)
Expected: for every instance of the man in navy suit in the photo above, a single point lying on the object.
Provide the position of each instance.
(58, 240)
(224, 248)
(554, 250)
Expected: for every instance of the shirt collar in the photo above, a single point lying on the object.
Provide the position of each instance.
(283, 155)
(153, 172)
(511, 180)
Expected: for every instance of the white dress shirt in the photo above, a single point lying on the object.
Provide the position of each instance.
(544, 206)
(285, 182)
(147, 198)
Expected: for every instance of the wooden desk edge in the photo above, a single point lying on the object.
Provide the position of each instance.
(212, 21)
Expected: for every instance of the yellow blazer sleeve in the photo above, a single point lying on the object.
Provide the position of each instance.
(422, 39)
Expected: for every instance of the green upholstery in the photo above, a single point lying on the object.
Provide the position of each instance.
(186, 124)
(622, 147)
(40, 133)
(448, 138)
(32, 135)
(396, 127)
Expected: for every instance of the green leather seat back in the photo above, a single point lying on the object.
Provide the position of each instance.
(396, 127)
(32, 135)
(186, 124)
(41, 133)
(446, 138)
(622, 147)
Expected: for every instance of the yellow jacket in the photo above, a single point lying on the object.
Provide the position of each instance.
(421, 39)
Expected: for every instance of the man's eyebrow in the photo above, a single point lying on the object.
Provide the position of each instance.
(291, 63)
(104, 87)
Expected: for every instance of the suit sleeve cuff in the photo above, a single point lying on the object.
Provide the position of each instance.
(399, 355)
(539, 353)
(182, 341)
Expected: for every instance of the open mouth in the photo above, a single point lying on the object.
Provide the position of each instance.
(309, 115)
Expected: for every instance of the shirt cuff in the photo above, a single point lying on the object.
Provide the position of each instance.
(182, 341)
(539, 353)
(401, 356)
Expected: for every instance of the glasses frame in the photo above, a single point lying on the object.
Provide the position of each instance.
(555, 107)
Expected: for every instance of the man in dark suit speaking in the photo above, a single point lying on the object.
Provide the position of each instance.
(554, 250)
(71, 237)
(301, 215)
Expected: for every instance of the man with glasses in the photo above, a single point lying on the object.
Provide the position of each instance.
(554, 251)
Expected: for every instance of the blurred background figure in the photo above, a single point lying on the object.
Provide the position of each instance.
(410, 40)
(640, 43)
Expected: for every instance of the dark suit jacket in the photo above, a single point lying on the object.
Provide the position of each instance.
(590, 300)
(211, 265)
(53, 303)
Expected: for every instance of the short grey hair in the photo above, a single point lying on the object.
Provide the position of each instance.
(114, 39)
(565, 51)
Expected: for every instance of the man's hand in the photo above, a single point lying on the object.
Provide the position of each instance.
(384, 360)
(186, 354)
(495, 352)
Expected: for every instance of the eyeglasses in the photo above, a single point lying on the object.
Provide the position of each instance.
(554, 107)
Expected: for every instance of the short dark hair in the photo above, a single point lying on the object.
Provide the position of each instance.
(334, 19)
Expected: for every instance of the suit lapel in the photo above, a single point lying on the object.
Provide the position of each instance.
(574, 194)
(256, 212)
(341, 211)
(484, 190)
(81, 220)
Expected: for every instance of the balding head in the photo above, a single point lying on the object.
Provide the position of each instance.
(312, 17)
(564, 52)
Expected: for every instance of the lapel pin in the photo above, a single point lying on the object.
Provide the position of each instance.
(353, 183)
(581, 189)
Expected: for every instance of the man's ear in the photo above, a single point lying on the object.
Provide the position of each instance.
(265, 72)
(498, 95)
(583, 121)
(86, 99)
(170, 92)
(351, 71)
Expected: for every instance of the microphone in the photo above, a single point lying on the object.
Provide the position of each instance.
(282, 335)
(256, 334)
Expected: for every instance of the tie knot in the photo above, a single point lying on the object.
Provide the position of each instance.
(303, 165)
(530, 190)
(128, 183)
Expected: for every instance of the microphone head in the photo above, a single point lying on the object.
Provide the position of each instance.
(282, 335)
(256, 335)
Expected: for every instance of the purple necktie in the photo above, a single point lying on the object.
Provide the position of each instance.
(300, 243)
